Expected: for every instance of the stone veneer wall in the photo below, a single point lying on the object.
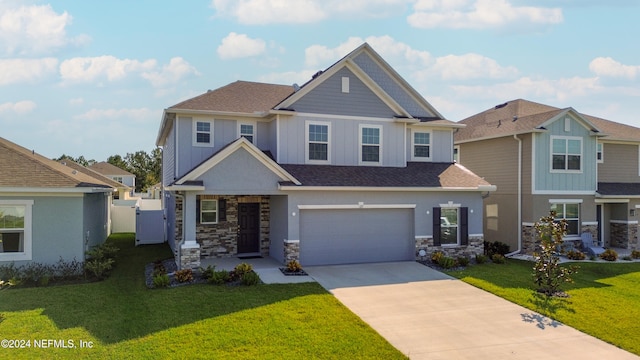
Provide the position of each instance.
(624, 235)
(475, 247)
(291, 250)
(178, 228)
(221, 239)
(529, 237)
(189, 258)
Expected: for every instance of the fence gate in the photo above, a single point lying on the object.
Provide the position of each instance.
(149, 226)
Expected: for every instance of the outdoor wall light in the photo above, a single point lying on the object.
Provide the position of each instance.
(293, 213)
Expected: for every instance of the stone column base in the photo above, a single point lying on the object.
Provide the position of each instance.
(189, 256)
(291, 250)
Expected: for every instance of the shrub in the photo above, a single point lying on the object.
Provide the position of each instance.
(68, 270)
(158, 268)
(99, 267)
(161, 281)
(10, 272)
(462, 261)
(250, 278)
(207, 272)
(220, 277)
(547, 272)
(635, 254)
(627, 258)
(242, 269)
(481, 259)
(294, 266)
(37, 273)
(184, 275)
(609, 255)
(446, 262)
(576, 255)
(498, 259)
(436, 256)
(495, 247)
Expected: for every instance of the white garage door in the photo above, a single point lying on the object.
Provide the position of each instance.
(356, 236)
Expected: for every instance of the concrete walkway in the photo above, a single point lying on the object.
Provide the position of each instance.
(267, 268)
(429, 315)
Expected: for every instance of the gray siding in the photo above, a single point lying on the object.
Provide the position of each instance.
(545, 180)
(278, 224)
(620, 163)
(390, 86)
(169, 157)
(344, 139)
(95, 219)
(328, 98)
(170, 213)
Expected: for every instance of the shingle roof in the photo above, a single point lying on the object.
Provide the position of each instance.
(92, 173)
(622, 189)
(499, 121)
(415, 174)
(239, 96)
(23, 168)
(106, 168)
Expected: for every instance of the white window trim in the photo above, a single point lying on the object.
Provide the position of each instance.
(456, 147)
(27, 235)
(566, 171)
(565, 202)
(306, 142)
(600, 150)
(413, 145)
(195, 131)
(345, 84)
(360, 144)
(217, 211)
(255, 130)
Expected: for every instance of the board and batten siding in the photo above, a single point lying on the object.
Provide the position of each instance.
(343, 138)
(390, 86)
(545, 179)
(169, 157)
(620, 163)
(328, 98)
(441, 146)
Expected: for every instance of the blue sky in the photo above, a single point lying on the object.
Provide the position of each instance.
(91, 78)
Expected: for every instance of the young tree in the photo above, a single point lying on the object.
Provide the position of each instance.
(547, 272)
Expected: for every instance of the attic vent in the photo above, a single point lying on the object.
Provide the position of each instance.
(515, 117)
(296, 87)
(501, 105)
(316, 74)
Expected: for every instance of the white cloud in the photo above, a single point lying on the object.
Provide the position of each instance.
(20, 107)
(261, 12)
(34, 29)
(140, 114)
(606, 66)
(470, 66)
(177, 69)
(479, 14)
(88, 69)
(287, 78)
(14, 71)
(236, 46)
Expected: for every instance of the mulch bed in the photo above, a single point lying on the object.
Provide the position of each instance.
(171, 267)
(286, 272)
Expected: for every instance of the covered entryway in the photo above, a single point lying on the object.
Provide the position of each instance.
(346, 236)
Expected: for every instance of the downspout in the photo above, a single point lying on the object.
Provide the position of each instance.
(519, 223)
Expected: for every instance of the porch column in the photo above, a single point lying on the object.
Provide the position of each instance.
(190, 249)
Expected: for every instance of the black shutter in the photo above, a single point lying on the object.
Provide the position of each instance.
(197, 209)
(464, 226)
(436, 226)
(222, 210)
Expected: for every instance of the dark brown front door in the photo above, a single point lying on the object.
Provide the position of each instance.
(249, 228)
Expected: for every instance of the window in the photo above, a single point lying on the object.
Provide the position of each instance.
(318, 147)
(208, 211)
(569, 212)
(421, 143)
(450, 225)
(247, 131)
(15, 230)
(370, 144)
(456, 153)
(202, 133)
(118, 179)
(566, 153)
(599, 152)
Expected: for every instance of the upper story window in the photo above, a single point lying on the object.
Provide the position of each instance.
(318, 147)
(421, 145)
(566, 153)
(202, 133)
(247, 131)
(370, 144)
(600, 152)
(15, 230)
(456, 153)
(118, 179)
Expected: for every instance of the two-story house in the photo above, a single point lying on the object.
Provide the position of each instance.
(543, 158)
(353, 166)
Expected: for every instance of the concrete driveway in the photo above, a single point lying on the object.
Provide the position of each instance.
(428, 315)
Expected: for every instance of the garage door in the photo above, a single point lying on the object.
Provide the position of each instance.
(356, 236)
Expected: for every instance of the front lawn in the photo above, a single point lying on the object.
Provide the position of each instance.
(604, 299)
(121, 318)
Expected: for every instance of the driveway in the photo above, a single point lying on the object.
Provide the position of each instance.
(428, 315)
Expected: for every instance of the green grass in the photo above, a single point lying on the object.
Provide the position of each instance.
(604, 298)
(125, 320)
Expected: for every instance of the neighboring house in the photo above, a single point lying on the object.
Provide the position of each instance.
(48, 211)
(354, 166)
(122, 190)
(117, 174)
(543, 158)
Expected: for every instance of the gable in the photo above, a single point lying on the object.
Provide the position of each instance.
(328, 98)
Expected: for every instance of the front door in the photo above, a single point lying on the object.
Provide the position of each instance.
(248, 228)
